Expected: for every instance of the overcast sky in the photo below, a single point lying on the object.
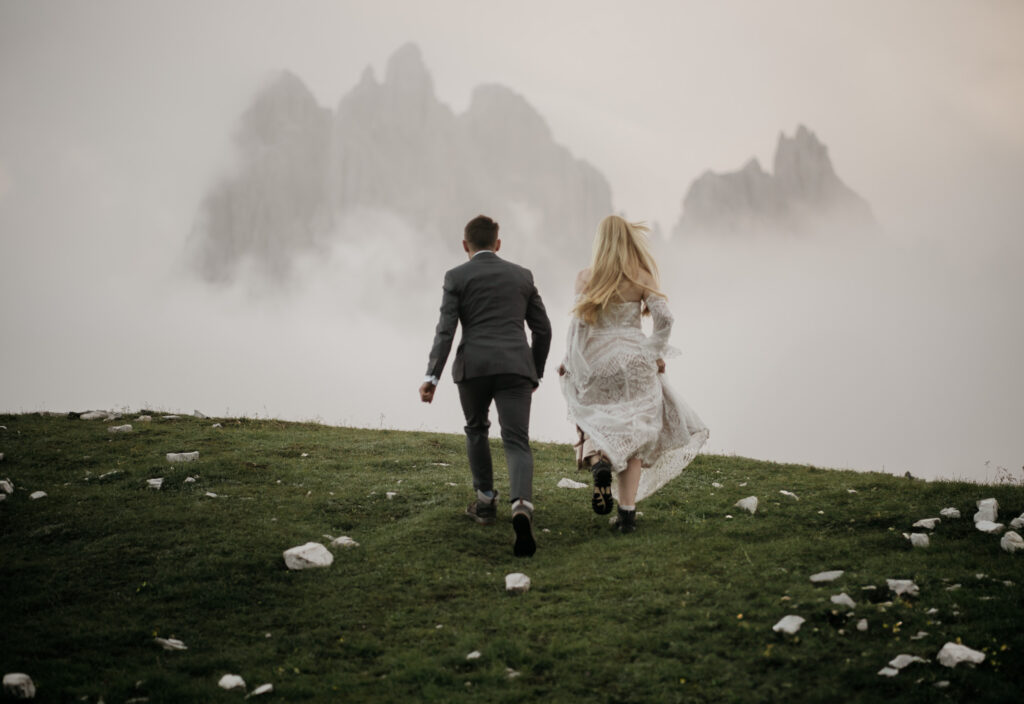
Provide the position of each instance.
(115, 117)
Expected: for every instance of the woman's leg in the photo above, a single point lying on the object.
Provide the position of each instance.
(629, 482)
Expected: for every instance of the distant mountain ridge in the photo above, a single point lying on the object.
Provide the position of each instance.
(392, 146)
(802, 194)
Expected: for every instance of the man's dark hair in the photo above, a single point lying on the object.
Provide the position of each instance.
(481, 233)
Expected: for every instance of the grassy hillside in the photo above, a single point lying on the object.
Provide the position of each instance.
(681, 611)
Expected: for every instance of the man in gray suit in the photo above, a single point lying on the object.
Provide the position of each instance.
(492, 298)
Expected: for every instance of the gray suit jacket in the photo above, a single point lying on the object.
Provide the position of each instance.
(491, 298)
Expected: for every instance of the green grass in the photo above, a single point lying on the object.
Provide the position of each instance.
(681, 611)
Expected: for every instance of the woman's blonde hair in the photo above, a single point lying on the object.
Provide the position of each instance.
(620, 253)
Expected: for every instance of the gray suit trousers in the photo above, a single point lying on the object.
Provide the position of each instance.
(512, 395)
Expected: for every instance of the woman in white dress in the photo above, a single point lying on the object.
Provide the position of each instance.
(633, 427)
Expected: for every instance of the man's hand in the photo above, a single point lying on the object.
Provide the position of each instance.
(661, 366)
(427, 392)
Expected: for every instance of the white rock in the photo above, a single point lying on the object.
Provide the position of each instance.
(919, 635)
(728, 515)
(950, 512)
(902, 586)
(747, 504)
(1017, 523)
(145, 419)
(182, 456)
(989, 527)
(716, 485)
(309, 555)
(218, 425)
(37, 495)
(197, 414)
(1011, 542)
(111, 473)
(19, 686)
(862, 625)
(566, 483)
(170, 417)
(823, 577)
(170, 644)
(127, 428)
(789, 494)
(902, 660)
(475, 655)
(789, 624)
(344, 542)
(95, 415)
(928, 523)
(262, 689)
(512, 674)
(391, 494)
(851, 491)
(918, 540)
(155, 483)
(210, 494)
(231, 682)
(517, 582)
(6, 486)
(952, 654)
(190, 480)
(3, 497)
(843, 600)
(440, 464)
(888, 672)
(988, 510)
(1, 457)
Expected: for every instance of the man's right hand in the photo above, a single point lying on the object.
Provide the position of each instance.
(427, 392)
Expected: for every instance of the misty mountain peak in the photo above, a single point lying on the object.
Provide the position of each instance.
(283, 105)
(803, 193)
(502, 109)
(406, 71)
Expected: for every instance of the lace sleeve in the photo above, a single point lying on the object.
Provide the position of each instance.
(657, 342)
(575, 363)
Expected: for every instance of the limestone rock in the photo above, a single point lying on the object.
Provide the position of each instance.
(182, 456)
(888, 672)
(952, 654)
(199, 415)
(989, 527)
(475, 655)
(950, 512)
(899, 587)
(170, 644)
(789, 624)
(716, 485)
(19, 686)
(97, 415)
(824, 577)
(748, 504)
(1011, 542)
(517, 582)
(862, 625)
(144, 419)
(843, 599)
(1017, 523)
(344, 542)
(307, 556)
(170, 417)
(390, 494)
(127, 428)
(218, 425)
(902, 660)
(155, 483)
(790, 494)
(6, 486)
(988, 510)
(231, 683)
(928, 523)
(262, 689)
(37, 495)
(566, 483)
(918, 540)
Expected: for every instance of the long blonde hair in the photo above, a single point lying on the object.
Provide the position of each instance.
(620, 253)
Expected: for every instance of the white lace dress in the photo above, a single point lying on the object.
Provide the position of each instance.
(617, 397)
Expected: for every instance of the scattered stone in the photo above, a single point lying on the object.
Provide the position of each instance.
(902, 660)
(155, 483)
(952, 654)
(919, 635)
(989, 527)
(344, 542)
(308, 555)
(190, 480)
(111, 473)
(888, 672)
(1011, 542)
(210, 494)
(231, 683)
(1017, 523)
(821, 513)
(3, 497)
(862, 625)
(941, 684)
(96, 415)
(789, 624)
(716, 485)
(823, 577)
(950, 512)
(899, 587)
(988, 510)
(566, 483)
(475, 655)
(37, 495)
(851, 491)
(262, 689)
(145, 419)
(127, 428)
(843, 599)
(952, 587)
(182, 456)
(517, 582)
(199, 415)
(918, 540)
(789, 493)
(728, 515)
(218, 425)
(170, 644)
(170, 417)
(742, 484)
(928, 523)
(390, 494)
(19, 685)
(747, 504)
(6, 486)
(932, 611)
(511, 674)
